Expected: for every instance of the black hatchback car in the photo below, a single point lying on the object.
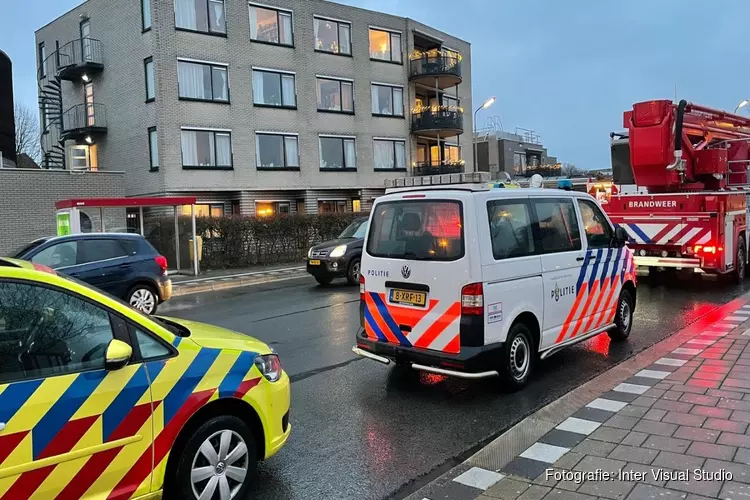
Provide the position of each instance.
(121, 264)
(339, 258)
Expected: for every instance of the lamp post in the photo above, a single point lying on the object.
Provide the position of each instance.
(741, 105)
(489, 102)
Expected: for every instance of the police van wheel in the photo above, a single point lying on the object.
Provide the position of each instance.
(518, 358)
(623, 317)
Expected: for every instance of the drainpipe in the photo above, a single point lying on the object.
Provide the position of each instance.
(677, 163)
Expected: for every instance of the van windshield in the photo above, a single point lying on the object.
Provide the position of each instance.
(417, 230)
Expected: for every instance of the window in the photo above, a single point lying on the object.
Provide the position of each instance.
(203, 81)
(58, 256)
(206, 149)
(595, 225)
(95, 250)
(272, 88)
(146, 14)
(150, 347)
(357, 207)
(331, 206)
(204, 210)
(337, 153)
(418, 230)
(510, 228)
(271, 208)
(86, 39)
(83, 157)
(332, 36)
(558, 225)
(45, 332)
(148, 65)
(153, 148)
(88, 95)
(271, 25)
(385, 45)
(276, 151)
(519, 163)
(387, 100)
(42, 58)
(389, 154)
(205, 16)
(335, 95)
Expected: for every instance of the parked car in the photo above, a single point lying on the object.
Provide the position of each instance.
(338, 258)
(123, 265)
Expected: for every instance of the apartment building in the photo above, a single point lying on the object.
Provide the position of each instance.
(284, 106)
(519, 154)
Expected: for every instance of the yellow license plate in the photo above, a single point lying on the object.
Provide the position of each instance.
(314, 262)
(408, 297)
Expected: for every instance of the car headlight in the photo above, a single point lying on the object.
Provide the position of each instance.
(339, 251)
(309, 253)
(269, 366)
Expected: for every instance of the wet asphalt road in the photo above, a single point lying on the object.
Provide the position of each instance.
(361, 430)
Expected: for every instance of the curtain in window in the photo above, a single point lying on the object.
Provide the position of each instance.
(288, 91)
(253, 23)
(285, 28)
(216, 11)
(375, 100)
(192, 81)
(350, 154)
(347, 99)
(398, 102)
(189, 148)
(220, 84)
(292, 151)
(383, 154)
(258, 87)
(184, 14)
(395, 47)
(223, 150)
(400, 155)
(344, 39)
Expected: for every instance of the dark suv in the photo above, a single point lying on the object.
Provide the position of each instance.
(339, 258)
(123, 265)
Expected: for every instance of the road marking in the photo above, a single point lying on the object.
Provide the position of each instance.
(631, 388)
(684, 350)
(742, 312)
(738, 319)
(653, 374)
(715, 334)
(700, 342)
(727, 326)
(578, 425)
(670, 362)
(543, 452)
(479, 478)
(607, 404)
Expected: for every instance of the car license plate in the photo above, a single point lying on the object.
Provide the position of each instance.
(314, 262)
(408, 297)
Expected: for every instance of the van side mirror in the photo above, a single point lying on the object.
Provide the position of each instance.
(621, 236)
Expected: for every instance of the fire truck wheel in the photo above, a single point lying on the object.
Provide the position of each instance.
(623, 318)
(518, 358)
(739, 267)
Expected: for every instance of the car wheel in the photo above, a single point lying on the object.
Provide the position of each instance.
(739, 267)
(352, 274)
(143, 298)
(219, 461)
(623, 317)
(518, 358)
(323, 280)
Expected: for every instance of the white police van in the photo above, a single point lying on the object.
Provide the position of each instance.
(463, 279)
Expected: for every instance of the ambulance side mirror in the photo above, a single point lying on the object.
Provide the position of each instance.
(621, 237)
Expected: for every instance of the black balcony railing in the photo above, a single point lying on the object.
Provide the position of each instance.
(429, 168)
(79, 56)
(84, 119)
(445, 66)
(444, 121)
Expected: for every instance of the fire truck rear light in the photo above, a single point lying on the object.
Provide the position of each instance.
(708, 249)
(472, 300)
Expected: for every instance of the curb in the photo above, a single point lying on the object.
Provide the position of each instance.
(225, 283)
(483, 469)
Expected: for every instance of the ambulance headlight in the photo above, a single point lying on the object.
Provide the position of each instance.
(269, 366)
(339, 251)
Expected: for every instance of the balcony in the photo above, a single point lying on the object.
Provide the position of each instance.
(441, 69)
(430, 168)
(84, 122)
(79, 57)
(438, 121)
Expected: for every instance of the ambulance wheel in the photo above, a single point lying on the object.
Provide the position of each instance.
(623, 318)
(517, 358)
(738, 276)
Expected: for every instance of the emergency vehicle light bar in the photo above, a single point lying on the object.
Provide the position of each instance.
(439, 180)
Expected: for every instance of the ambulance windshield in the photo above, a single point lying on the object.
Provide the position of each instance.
(417, 230)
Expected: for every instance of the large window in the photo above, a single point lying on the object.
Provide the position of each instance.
(335, 95)
(331, 206)
(270, 25)
(46, 332)
(206, 149)
(385, 45)
(595, 225)
(205, 209)
(148, 67)
(272, 208)
(206, 16)
(276, 151)
(274, 88)
(389, 154)
(558, 225)
(510, 228)
(146, 14)
(387, 100)
(337, 153)
(203, 81)
(153, 148)
(332, 36)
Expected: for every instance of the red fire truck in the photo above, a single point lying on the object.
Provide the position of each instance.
(687, 204)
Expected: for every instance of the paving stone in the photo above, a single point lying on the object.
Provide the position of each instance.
(723, 393)
(611, 434)
(672, 395)
(455, 491)
(691, 388)
(666, 444)
(621, 422)
(655, 414)
(562, 438)
(704, 375)
(638, 454)
(593, 414)
(677, 461)
(651, 427)
(695, 486)
(708, 411)
(634, 438)
(535, 492)
(737, 383)
(732, 439)
(680, 418)
(640, 381)
(569, 460)
(591, 464)
(654, 393)
(711, 450)
(742, 456)
(633, 411)
(647, 472)
(720, 424)
(606, 404)
(525, 467)
(733, 490)
(734, 404)
(740, 472)
(672, 406)
(558, 494)
(617, 490)
(699, 399)
(696, 434)
(593, 447)
(644, 401)
(544, 452)
(692, 496)
(621, 396)
(649, 492)
(740, 416)
(507, 489)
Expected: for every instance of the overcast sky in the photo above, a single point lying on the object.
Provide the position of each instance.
(567, 69)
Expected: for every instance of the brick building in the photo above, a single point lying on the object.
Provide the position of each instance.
(281, 107)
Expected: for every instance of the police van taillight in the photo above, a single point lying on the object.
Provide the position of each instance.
(361, 301)
(361, 287)
(472, 300)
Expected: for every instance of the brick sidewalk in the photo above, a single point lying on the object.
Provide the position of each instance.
(687, 411)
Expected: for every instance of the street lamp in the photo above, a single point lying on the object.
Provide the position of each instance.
(741, 105)
(489, 102)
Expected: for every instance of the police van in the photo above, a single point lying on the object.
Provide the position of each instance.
(461, 278)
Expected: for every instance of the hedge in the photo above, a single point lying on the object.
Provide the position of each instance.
(241, 241)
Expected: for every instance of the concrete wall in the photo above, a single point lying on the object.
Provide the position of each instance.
(28, 196)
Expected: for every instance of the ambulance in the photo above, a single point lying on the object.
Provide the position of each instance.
(462, 279)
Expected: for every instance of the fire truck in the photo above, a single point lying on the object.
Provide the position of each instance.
(683, 201)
